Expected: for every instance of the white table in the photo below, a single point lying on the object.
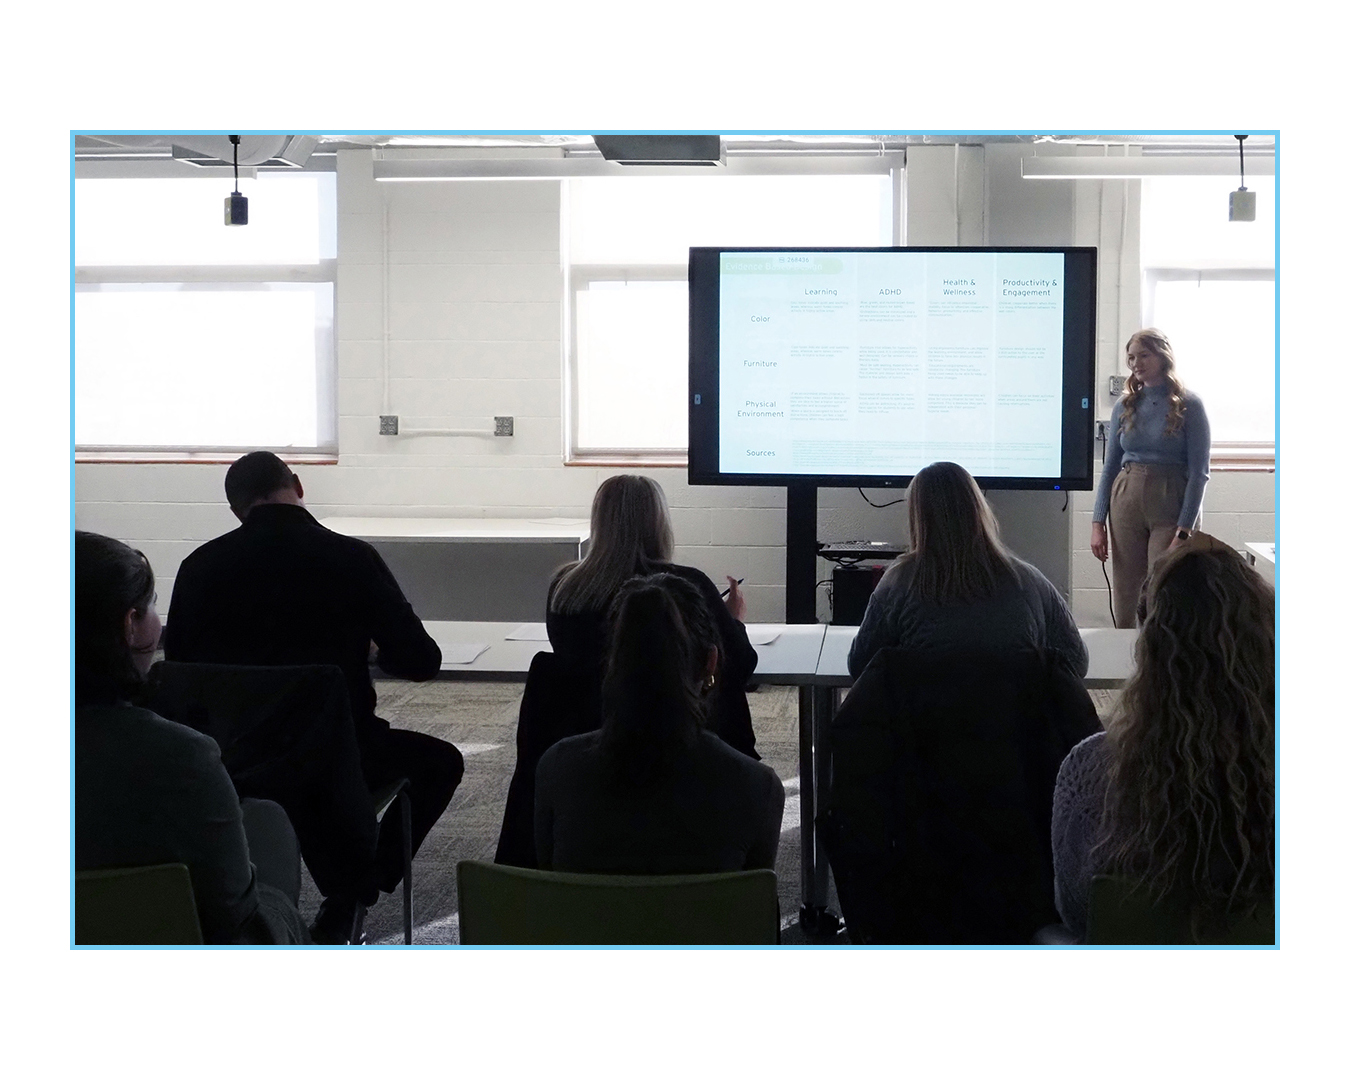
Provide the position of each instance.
(1110, 657)
(789, 660)
(472, 568)
(1261, 551)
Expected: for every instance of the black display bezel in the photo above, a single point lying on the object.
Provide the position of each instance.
(1079, 368)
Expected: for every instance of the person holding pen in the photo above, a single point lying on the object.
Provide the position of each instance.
(631, 536)
(1157, 466)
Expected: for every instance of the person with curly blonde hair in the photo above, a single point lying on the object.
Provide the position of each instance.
(1156, 469)
(1178, 793)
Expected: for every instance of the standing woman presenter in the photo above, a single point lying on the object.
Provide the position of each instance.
(1157, 466)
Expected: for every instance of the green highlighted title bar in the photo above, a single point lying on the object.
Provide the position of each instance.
(782, 264)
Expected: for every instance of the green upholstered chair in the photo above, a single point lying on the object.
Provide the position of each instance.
(510, 905)
(145, 905)
(1119, 914)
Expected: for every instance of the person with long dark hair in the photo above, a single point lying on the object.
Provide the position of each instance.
(1178, 793)
(653, 791)
(959, 586)
(150, 791)
(1156, 469)
(631, 535)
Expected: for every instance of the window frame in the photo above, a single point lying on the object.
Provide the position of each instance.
(581, 275)
(324, 271)
(1224, 456)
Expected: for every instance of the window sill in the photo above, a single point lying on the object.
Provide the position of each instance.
(179, 456)
(1242, 457)
(629, 459)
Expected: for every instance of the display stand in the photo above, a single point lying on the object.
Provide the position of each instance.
(815, 919)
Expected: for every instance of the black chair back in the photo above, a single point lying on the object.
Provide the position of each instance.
(557, 702)
(286, 734)
(937, 817)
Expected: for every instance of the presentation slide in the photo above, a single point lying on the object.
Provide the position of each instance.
(878, 363)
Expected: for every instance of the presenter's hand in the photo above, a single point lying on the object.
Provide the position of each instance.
(735, 600)
(1099, 540)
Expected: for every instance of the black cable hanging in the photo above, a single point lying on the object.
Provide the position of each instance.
(236, 205)
(1242, 203)
(879, 506)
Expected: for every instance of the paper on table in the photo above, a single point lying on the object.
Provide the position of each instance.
(462, 654)
(530, 631)
(764, 637)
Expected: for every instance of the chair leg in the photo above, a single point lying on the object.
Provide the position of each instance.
(405, 810)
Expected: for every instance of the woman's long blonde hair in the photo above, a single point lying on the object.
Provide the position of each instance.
(1156, 342)
(1190, 801)
(956, 550)
(630, 530)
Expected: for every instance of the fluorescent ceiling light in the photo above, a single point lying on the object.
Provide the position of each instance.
(554, 168)
(1137, 168)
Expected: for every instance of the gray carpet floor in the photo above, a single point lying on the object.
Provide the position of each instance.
(480, 718)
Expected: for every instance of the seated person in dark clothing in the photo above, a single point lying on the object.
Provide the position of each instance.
(281, 589)
(1178, 793)
(653, 791)
(149, 791)
(631, 536)
(959, 587)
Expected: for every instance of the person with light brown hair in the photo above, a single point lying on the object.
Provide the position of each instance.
(1178, 793)
(959, 586)
(1156, 469)
(631, 536)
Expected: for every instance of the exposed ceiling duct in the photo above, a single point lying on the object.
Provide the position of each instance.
(661, 149)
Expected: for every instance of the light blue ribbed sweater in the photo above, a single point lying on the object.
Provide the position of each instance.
(1146, 444)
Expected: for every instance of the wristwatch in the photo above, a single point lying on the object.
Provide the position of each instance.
(1183, 534)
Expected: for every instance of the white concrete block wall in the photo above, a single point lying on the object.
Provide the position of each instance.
(475, 322)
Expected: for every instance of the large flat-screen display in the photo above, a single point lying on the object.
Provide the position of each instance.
(858, 367)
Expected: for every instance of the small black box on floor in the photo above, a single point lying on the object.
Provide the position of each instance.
(851, 589)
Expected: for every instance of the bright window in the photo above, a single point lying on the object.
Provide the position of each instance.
(1223, 333)
(627, 245)
(1209, 284)
(191, 336)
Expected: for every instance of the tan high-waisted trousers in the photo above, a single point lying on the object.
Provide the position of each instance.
(1145, 502)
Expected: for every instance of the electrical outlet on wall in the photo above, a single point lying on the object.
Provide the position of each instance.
(504, 425)
(1117, 385)
(388, 425)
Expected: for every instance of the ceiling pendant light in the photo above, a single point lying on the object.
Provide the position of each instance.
(1241, 203)
(236, 205)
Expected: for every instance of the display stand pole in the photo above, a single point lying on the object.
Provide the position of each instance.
(801, 553)
(815, 920)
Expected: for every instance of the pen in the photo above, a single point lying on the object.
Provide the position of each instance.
(739, 581)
